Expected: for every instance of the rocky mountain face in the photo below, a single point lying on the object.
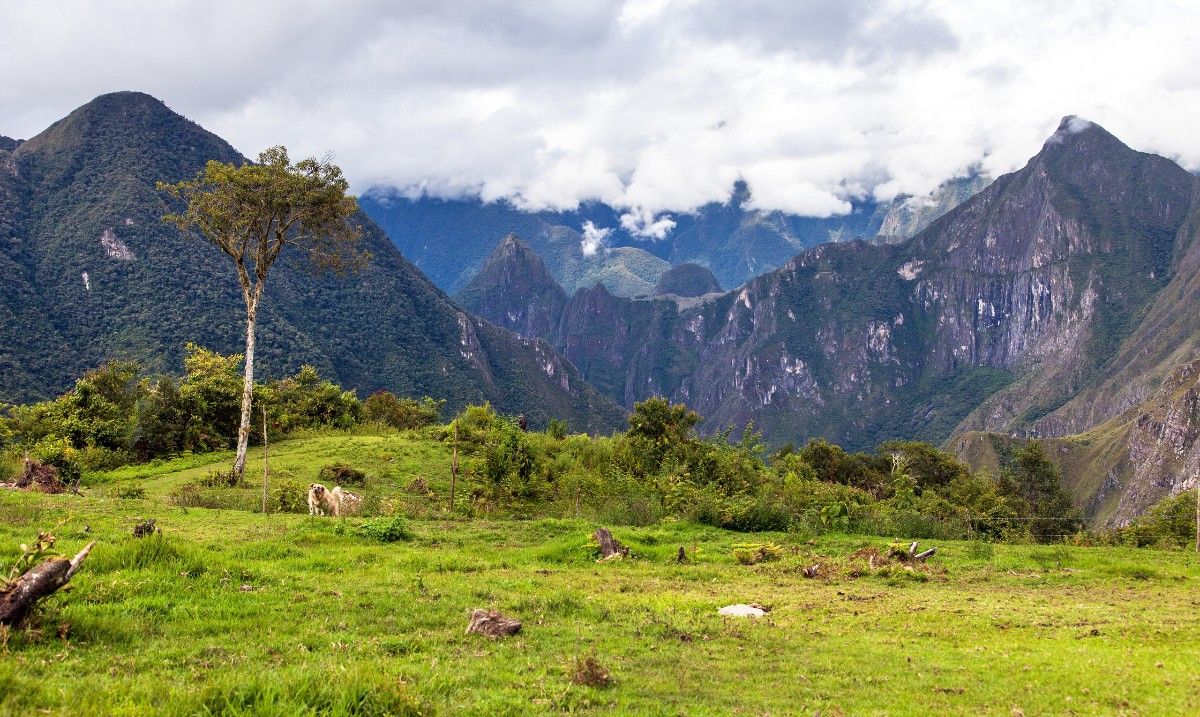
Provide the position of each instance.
(1123, 466)
(687, 281)
(515, 290)
(8, 144)
(1030, 308)
(92, 273)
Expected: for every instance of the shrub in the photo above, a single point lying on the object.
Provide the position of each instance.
(754, 553)
(388, 409)
(131, 492)
(509, 462)
(755, 513)
(59, 452)
(556, 429)
(1169, 523)
(290, 496)
(386, 530)
(341, 474)
(308, 401)
(216, 478)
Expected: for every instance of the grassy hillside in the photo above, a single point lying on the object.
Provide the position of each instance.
(235, 612)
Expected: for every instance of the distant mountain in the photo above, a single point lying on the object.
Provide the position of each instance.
(905, 217)
(1061, 299)
(450, 239)
(515, 290)
(687, 281)
(92, 273)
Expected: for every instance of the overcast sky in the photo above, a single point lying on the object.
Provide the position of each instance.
(651, 105)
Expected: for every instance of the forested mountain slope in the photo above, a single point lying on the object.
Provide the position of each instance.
(92, 273)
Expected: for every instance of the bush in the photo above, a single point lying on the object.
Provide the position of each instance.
(59, 452)
(131, 492)
(290, 496)
(754, 553)
(556, 429)
(388, 409)
(386, 530)
(341, 474)
(216, 478)
(308, 401)
(1169, 523)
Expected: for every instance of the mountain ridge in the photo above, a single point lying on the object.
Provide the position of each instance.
(98, 276)
(995, 317)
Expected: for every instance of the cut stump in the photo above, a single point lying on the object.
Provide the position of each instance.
(492, 623)
(610, 547)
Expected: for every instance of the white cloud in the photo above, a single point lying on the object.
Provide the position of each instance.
(593, 238)
(654, 106)
(644, 224)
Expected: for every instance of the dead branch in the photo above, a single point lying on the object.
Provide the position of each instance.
(18, 598)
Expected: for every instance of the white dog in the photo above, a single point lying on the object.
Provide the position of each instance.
(322, 501)
(347, 502)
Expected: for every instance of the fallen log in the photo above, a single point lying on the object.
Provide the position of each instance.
(610, 546)
(18, 598)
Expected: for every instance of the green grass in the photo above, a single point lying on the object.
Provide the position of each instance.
(233, 612)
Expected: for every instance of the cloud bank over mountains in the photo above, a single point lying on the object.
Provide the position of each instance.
(652, 106)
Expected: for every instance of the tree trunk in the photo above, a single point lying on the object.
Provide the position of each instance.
(239, 463)
(610, 546)
(18, 598)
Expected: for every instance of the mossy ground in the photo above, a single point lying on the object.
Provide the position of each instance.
(234, 612)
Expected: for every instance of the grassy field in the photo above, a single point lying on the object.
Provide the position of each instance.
(235, 612)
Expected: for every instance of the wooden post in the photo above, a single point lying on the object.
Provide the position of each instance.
(453, 464)
(265, 483)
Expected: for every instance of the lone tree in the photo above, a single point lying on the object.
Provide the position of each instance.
(252, 212)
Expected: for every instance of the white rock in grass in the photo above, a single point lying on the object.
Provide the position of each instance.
(740, 610)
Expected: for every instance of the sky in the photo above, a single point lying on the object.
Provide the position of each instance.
(653, 106)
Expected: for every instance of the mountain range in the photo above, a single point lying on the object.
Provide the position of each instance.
(450, 240)
(92, 273)
(1060, 301)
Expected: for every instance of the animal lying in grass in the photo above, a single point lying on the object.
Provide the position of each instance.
(322, 501)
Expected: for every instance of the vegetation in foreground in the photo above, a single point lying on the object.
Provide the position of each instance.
(115, 420)
(230, 611)
(235, 613)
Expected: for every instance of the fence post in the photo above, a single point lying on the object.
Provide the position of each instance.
(265, 482)
(453, 464)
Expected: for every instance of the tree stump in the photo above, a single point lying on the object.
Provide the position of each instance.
(18, 598)
(492, 623)
(145, 528)
(610, 547)
(38, 477)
